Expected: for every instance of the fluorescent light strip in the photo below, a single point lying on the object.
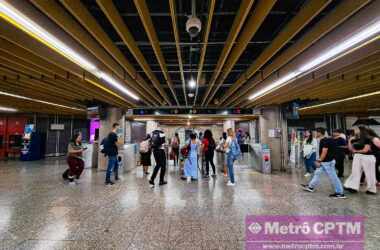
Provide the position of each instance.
(6, 109)
(40, 101)
(370, 31)
(14, 16)
(341, 100)
(116, 84)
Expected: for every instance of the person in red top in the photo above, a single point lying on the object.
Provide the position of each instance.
(208, 147)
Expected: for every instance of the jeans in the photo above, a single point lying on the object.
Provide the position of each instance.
(209, 157)
(329, 169)
(309, 163)
(230, 166)
(113, 165)
(160, 158)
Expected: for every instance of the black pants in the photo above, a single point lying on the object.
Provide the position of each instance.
(160, 158)
(377, 168)
(339, 165)
(209, 158)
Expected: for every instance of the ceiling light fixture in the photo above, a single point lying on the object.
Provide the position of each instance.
(6, 109)
(15, 17)
(192, 83)
(40, 101)
(343, 47)
(340, 100)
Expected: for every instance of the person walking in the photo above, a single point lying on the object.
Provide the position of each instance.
(364, 160)
(310, 145)
(326, 164)
(145, 154)
(375, 148)
(191, 163)
(158, 143)
(340, 153)
(208, 148)
(174, 143)
(232, 150)
(111, 151)
(74, 159)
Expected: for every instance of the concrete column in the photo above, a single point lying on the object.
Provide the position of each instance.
(113, 115)
(150, 126)
(273, 133)
(228, 124)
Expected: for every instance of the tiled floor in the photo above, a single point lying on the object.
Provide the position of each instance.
(39, 211)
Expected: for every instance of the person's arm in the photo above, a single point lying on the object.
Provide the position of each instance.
(350, 147)
(376, 142)
(323, 154)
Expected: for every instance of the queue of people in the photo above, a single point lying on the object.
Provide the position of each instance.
(323, 154)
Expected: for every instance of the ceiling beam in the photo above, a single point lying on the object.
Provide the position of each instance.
(252, 25)
(147, 22)
(80, 12)
(308, 11)
(22, 39)
(204, 47)
(239, 20)
(178, 48)
(59, 15)
(338, 15)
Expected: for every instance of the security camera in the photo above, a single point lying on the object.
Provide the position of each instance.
(193, 26)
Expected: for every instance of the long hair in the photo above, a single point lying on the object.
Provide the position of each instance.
(75, 137)
(309, 138)
(208, 136)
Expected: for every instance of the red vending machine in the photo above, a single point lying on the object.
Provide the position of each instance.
(15, 132)
(3, 132)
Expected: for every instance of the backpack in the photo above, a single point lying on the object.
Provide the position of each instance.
(158, 138)
(144, 146)
(235, 148)
(211, 145)
(104, 147)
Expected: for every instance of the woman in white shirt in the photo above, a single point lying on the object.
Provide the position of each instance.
(310, 148)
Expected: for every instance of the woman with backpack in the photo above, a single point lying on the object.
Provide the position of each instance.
(208, 147)
(191, 163)
(145, 153)
(174, 143)
(232, 150)
(74, 159)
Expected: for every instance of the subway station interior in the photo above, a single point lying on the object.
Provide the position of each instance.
(283, 96)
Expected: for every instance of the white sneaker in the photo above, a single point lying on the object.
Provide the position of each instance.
(307, 175)
(77, 181)
(229, 183)
(72, 183)
(188, 179)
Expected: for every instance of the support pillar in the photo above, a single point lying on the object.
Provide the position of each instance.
(112, 115)
(228, 124)
(273, 132)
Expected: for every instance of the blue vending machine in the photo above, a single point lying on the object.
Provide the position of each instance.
(33, 144)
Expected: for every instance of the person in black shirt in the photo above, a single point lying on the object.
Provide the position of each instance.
(375, 148)
(364, 160)
(112, 152)
(326, 164)
(340, 155)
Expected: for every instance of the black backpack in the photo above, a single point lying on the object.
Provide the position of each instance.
(211, 145)
(158, 138)
(104, 146)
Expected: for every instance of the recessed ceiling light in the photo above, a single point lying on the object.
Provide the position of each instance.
(6, 109)
(192, 83)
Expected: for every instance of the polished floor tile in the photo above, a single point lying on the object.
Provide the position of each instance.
(39, 211)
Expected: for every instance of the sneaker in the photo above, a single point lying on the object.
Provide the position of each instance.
(307, 188)
(188, 179)
(109, 183)
(229, 183)
(151, 184)
(206, 176)
(351, 190)
(370, 193)
(72, 183)
(307, 175)
(77, 181)
(338, 196)
(163, 183)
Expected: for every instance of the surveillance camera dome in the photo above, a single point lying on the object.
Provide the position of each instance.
(193, 26)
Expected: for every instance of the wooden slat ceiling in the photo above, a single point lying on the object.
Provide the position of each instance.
(144, 44)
